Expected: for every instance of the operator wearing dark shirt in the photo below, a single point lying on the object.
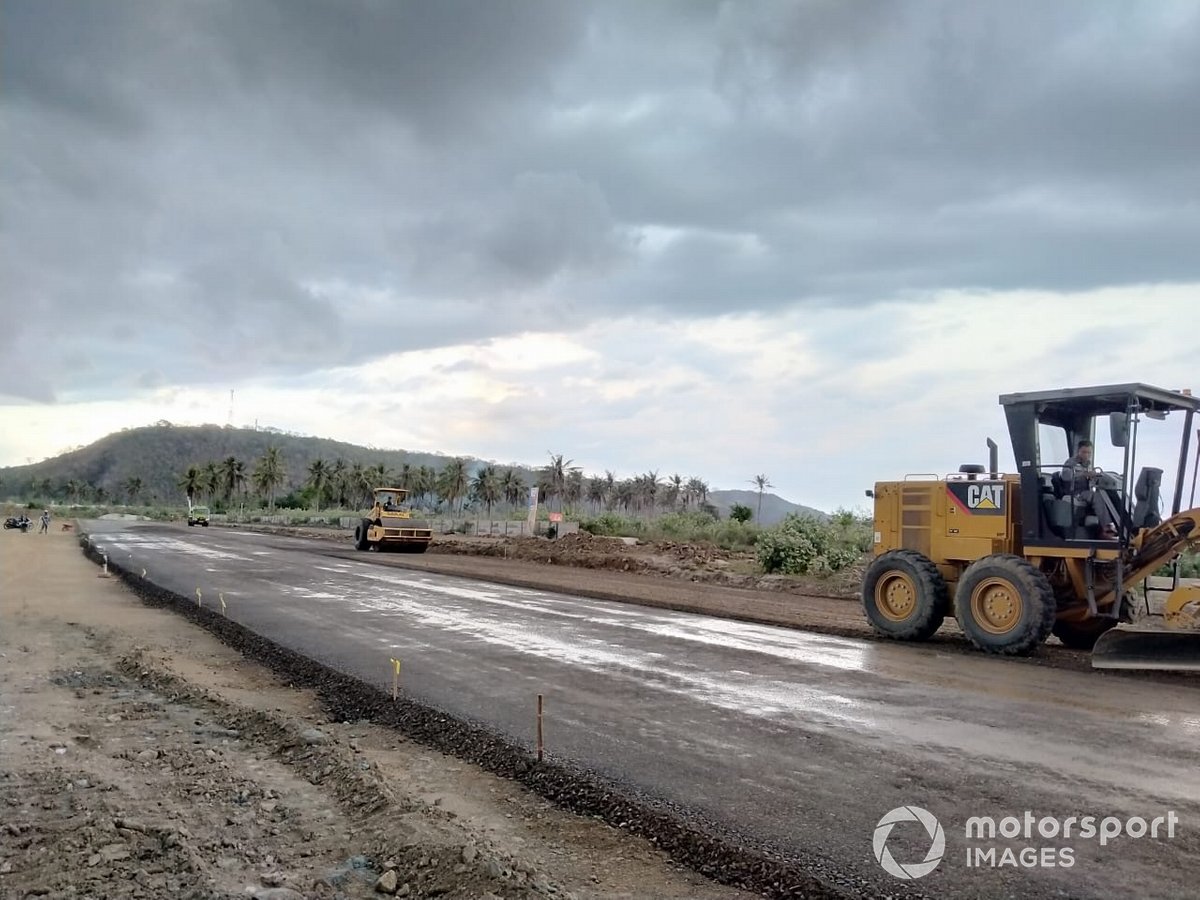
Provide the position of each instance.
(1078, 476)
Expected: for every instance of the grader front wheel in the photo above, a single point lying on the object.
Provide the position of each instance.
(1005, 605)
(905, 596)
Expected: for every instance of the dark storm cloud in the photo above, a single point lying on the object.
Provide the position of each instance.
(216, 190)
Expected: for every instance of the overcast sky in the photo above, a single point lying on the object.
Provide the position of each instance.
(810, 239)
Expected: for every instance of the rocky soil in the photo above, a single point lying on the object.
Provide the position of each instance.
(144, 759)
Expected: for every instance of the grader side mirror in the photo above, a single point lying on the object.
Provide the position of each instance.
(1118, 427)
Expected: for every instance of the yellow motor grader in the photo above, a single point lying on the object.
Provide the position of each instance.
(390, 525)
(1059, 548)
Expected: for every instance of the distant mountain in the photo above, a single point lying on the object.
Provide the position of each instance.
(774, 508)
(159, 454)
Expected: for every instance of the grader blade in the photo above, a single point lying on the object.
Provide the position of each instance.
(1147, 647)
(1170, 641)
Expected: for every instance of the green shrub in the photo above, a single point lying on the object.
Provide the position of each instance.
(802, 545)
(612, 525)
(741, 513)
(1189, 567)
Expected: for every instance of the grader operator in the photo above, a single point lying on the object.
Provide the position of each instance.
(390, 525)
(1058, 547)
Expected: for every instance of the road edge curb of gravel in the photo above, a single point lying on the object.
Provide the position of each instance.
(710, 851)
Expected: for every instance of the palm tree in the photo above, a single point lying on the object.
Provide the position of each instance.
(453, 480)
(574, 490)
(762, 482)
(486, 487)
(513, 487)
(192, 483)
(610, 489)
(649, 485)
(210, 480)
(133, 487)
(358, 483)
(379, 476)
(233, 479)
(406, 477)
(229, 477)
(74, 487)
(553, 479)
(318, 480)
(424, 482)
(337, 483)
(626, 494)
(674, 492)
(269, 474)
(596, 492)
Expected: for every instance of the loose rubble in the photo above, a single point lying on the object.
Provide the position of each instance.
(154, 762)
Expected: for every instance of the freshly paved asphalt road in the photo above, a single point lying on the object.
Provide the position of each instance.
(802, 740)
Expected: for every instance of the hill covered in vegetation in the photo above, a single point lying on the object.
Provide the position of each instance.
(164, 464)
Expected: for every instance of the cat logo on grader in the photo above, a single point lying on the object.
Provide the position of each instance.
(977, 498)
(985, 496)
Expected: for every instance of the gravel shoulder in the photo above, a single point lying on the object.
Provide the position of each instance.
(143, 759)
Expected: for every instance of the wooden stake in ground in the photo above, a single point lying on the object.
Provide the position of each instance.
(395, 679)
(539, 728)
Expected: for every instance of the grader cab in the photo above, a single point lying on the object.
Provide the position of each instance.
(390, 525)
(1058, 548)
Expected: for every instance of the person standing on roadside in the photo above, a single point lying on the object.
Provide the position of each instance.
(45, 522)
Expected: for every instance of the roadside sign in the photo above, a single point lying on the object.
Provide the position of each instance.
(555, 517)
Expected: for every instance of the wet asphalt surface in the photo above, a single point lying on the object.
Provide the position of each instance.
(801, 742)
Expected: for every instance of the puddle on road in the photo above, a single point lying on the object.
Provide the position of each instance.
(798, 646)
(129, 542)
(565, 631)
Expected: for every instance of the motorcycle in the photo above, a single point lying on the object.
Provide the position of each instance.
(22, 522)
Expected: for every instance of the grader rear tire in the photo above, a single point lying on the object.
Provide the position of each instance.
(904, 596)
(1005, 605)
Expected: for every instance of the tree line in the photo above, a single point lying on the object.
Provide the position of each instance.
(338, 484)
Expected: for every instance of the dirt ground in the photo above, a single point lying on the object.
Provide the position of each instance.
(144, 759)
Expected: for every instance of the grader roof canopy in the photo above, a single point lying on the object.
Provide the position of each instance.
(1105, 398)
